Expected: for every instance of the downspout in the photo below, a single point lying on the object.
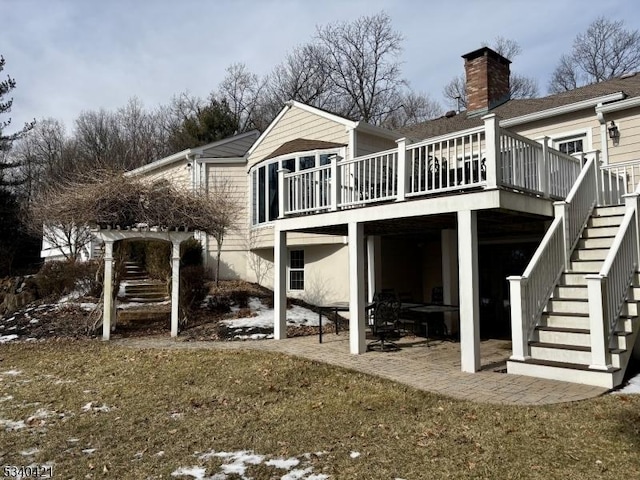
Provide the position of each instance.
(604, 139)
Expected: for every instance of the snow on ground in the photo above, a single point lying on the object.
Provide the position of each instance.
(235, 464)
(296, 315)
(633, 386)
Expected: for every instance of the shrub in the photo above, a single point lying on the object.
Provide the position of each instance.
(158, 259)
(191, 252)
(63, 277)
(192, 289)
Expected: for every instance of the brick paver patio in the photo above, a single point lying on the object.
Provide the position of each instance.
(433, 368)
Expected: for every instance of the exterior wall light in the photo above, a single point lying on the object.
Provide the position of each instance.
(614, 133)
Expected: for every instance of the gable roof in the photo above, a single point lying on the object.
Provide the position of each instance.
(349, 124)
(522, 110)
(240, 138)
(302, 145)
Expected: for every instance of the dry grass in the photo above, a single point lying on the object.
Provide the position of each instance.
(188, 401)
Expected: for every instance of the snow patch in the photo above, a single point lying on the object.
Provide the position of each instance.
(354, 454)
(283, 463)
(89, 407)
(296, 315)
(12, 425)
(30, 452)
(12, 372)
(194, 472)
(8, 338)
(633, 386)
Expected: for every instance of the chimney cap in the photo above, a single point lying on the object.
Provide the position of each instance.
(486, 51)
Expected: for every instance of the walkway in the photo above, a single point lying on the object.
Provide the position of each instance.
(434, 368)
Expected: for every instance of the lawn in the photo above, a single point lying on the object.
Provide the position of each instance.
(103, 411)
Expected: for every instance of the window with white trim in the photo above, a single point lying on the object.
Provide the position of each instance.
(296, 270)
(572, 144)
(264, 180)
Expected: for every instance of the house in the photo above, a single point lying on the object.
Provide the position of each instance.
(534, 190)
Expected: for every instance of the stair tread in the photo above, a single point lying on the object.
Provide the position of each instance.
(572, 366)
(560, 346)
(563, 329)
(566, 314)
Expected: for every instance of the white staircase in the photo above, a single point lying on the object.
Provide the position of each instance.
(560, 346)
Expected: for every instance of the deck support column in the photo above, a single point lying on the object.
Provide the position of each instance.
(175, 287)
(374, 274)
(469, 291)
(280, 285)
(357, 320)
(449, 247)
(107, 311)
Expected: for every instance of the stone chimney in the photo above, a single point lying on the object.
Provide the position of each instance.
(487, 80)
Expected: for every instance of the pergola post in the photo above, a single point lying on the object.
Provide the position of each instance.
(107, 312)
(175, 287)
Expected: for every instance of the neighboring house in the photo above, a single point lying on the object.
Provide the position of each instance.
(337, 210)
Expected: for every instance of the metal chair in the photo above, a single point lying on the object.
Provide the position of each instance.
(385, 324)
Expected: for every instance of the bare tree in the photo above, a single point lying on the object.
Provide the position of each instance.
(258, 264)
(414, 108)
(222, 198)
(362, 60)
(605, 50)
(520, 86)
(242, 91)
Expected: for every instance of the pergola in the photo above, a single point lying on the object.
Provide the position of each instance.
(109, 237)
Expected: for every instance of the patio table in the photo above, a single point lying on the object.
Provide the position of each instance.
(429, 309)
(334, 307)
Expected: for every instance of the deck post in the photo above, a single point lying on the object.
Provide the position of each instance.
(280, 284)
(402, 171)
(544, 168)
(335, 189)
(598, 322)
(373, 265)
(357, 320)
(283, 190)
(450, 291)
(492, 148)
(107, 312)
(175, 287)
(519, 326)
(469, 291)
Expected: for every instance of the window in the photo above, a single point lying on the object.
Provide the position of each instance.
(296, 270)
(570, 145)
(265, 183)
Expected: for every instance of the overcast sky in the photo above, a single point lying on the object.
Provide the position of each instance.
(68, 56)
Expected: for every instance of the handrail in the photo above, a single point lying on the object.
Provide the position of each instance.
(307, 171)
(531, 291)
(361, 158)
(449, 136)
(608, 290)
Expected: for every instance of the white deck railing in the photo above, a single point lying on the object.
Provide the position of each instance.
(369, 179)
(617, 180)
(447, 163)
(608, 290)
(484, 157)
(531, 291)
(308, 190)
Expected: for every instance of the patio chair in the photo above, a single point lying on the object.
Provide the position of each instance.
(385, 324)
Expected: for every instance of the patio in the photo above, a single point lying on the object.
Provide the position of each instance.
(435, 368)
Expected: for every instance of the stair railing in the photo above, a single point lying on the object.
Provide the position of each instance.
(608, 290)
(531, 291)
